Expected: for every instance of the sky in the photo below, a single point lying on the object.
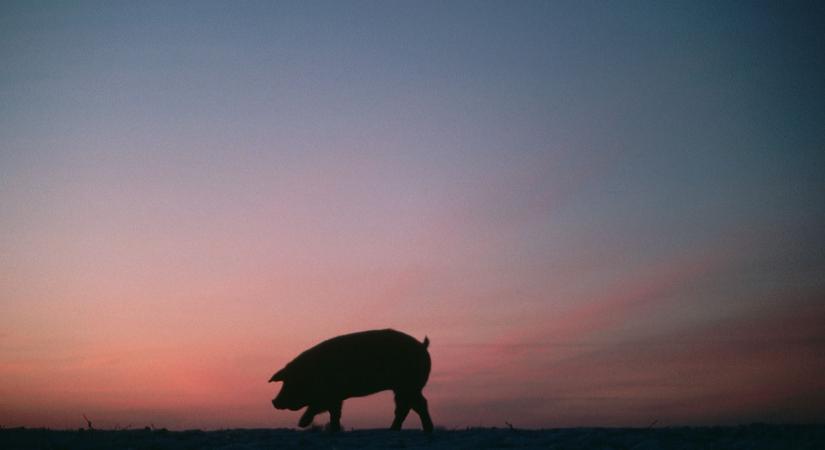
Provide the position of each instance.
(599, 213)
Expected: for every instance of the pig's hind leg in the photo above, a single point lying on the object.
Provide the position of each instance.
(419, 405)
(402, 408)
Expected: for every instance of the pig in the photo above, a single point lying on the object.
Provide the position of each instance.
(356, 365)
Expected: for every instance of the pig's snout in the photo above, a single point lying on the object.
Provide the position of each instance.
(279, 403)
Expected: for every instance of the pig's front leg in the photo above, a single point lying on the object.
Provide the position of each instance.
(309, 414)
(335, 417)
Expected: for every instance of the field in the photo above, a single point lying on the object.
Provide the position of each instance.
(756, 436)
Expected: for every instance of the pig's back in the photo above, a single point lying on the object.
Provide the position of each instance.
(367, 362)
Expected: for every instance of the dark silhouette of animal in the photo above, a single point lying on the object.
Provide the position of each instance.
(355, 365)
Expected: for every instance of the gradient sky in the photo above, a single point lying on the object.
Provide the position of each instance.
(601, 213)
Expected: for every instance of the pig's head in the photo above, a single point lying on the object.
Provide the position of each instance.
(294, 393)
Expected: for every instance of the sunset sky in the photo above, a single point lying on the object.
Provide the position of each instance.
(600, 213)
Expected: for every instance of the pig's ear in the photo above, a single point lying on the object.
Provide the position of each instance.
(279, 375)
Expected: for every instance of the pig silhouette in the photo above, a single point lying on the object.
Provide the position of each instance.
(355, 365)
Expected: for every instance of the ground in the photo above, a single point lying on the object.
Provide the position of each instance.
(740, 437)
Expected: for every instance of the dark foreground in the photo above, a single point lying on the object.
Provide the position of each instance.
(739, 437)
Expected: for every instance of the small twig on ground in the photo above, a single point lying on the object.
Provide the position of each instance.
(509, 425)
(88, 422)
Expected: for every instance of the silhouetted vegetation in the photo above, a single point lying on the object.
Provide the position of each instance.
(751, 437)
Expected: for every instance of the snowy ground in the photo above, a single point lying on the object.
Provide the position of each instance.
(741, 437)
